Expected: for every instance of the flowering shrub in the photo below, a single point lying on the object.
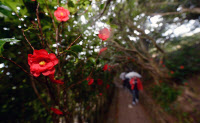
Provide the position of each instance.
(54, 52)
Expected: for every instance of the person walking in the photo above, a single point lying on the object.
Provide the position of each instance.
(136, 86)
(122, 77)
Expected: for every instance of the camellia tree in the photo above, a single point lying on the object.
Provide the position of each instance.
(139, 38)
(49, 52)
(54, 48)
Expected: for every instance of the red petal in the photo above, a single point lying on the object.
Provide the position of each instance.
(65, 19)
(59, 82)
(56, 111)
(40, 52)
(47, 73)
(60, 8)
(90, 81)
(34, 67)
(30, 59)
(52, 79)
(103, 49)
(47, 67)
(35, 74)
(53, 58)
(105, 67)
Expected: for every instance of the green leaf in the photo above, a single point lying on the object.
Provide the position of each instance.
(70, 4)
(4, 40)
(76, 48)
(9, 40)
(92, 60)
(101, 6)
(5, 10)
(72, 53)
(114, 26)
(76, 60)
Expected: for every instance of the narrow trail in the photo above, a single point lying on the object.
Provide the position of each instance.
(122, 110)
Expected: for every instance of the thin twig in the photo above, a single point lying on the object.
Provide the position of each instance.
(54, 25)
(73, 42)
(61, 30)
(16, 65)
(70, 46)
(85, 78)
(21, 68)
(27, 40)
(57, 34)
(24, 34)
(76, 83)
(38, 95)
(51, 93)
(32, 83)
(39, 24)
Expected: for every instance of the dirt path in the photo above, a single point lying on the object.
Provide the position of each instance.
(122, 111)
(128, 113)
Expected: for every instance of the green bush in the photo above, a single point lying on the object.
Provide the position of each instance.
(187, 56)
(164, 95)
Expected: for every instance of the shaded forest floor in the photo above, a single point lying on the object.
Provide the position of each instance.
(122, 110)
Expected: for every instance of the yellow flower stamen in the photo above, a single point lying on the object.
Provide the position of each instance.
(42, 63)
(61, 14)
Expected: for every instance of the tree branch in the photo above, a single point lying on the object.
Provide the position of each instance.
(39, 24)
(184, 10)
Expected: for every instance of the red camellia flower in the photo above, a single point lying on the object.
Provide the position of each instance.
(172, 72)
(186, 83)
(99, 81)
(105, 67)
(100, 94)
(52, 79)
(90, 80)
(56, 111)
(62, 14)
(181, 67)
(163, 65)
(102, 50)
(42, 62)
(107, 86)
(161, 62)
(104, 34)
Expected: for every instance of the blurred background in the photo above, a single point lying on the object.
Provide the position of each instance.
(159, 39)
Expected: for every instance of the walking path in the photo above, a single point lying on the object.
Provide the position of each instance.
(122, 111)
